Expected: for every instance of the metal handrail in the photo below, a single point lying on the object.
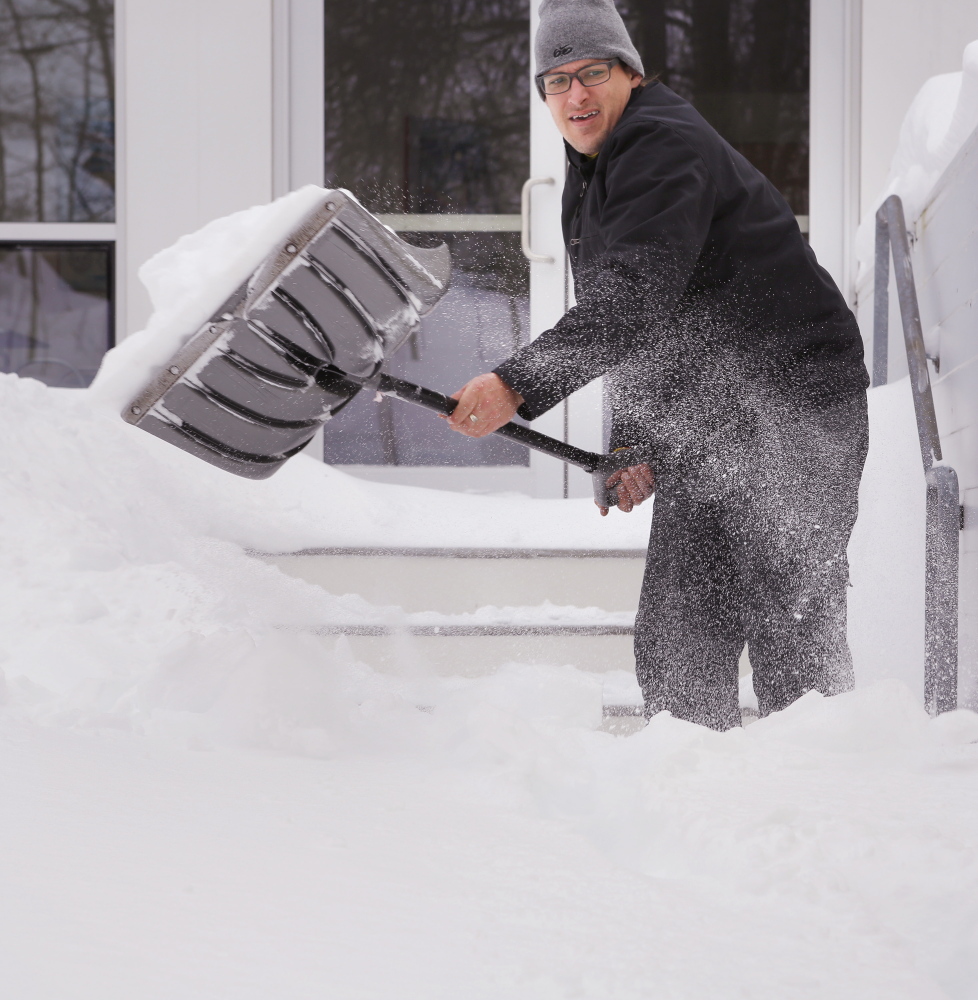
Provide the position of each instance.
(943, 500)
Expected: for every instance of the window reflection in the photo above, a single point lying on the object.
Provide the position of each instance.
(57, 144)
(744, 64)
(55, 314)
(483, 318)
(426, 103)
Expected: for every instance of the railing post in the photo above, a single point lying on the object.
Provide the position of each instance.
(943, 510)
(941, 600)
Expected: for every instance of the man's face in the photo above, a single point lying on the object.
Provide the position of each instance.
(585, 116)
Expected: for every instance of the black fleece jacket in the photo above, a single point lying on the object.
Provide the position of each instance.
(696, 292)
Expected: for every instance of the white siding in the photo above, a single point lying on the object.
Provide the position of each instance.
(834, 141)
(197, 126)
(904, 42)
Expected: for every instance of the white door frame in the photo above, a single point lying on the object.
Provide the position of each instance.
(297, 86)
(578, 419)
(297, 159)
(835, 99)
(548, 281)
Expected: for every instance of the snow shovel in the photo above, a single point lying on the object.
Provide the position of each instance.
(310, 328)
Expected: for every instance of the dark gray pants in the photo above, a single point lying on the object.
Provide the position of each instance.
(748, 545)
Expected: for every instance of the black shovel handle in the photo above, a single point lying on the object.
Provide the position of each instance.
(431, 400)
(600, 467)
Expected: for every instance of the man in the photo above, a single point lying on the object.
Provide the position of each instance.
(727, 351)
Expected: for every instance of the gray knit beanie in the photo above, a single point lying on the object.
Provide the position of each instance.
(582, 29)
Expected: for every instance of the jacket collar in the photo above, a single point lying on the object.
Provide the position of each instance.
(586, 165)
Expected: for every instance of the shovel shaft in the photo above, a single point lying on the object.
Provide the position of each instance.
(431, 400)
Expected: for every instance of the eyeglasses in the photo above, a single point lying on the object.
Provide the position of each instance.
(591, 76)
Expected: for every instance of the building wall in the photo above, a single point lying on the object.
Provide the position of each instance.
(834, 135)
(904, 42)
(198, 88)
(869, 58)
(195, 124)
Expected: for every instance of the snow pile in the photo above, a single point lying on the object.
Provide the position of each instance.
(113, 568)
(941, 118)
(495, 845)
(128, 598)
(410, 834)
(128, 590)
(188, 281)
(886, 551)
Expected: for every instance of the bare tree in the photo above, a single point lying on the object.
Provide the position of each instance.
(57, 109)
(30, 53)
(464, 91)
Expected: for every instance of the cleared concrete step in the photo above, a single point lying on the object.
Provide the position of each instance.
(458, 581)
(481, 650)
(435, 587)
(474, 654)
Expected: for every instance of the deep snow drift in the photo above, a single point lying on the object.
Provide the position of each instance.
(124, 558)
(496, 846)
(188, 281)
(201, 798)
(358, 835)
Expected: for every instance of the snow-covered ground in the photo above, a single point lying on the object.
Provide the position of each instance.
(201, 798)
(196, 802)
(497, 846)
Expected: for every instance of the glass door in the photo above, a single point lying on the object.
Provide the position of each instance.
(431, 120)
(744, 65)
(426, 121)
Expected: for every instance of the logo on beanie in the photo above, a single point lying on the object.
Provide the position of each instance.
(564, 50)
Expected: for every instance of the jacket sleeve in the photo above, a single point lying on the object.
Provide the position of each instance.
(654, 224)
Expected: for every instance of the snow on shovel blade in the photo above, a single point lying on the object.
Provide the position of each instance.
(295, 343)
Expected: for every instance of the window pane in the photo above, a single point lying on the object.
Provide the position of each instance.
(744, 64)
(55, 313)
(482, 319)
(426, 103)
(57, 138)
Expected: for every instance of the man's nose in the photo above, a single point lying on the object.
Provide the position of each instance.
(578, 92)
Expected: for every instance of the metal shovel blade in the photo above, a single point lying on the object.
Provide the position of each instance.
(294, 344)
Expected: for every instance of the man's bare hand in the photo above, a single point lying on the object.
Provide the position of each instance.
(635, 485)
(484, 404)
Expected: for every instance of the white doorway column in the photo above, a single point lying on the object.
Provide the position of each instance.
(297, 94)
(578, 419)
(195, 128)
(834, 164)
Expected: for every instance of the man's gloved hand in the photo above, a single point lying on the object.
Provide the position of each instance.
(635, 484)
(485, 403)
